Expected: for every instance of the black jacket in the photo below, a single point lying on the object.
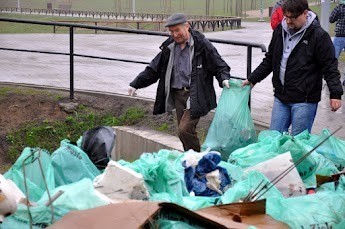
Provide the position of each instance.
(206, 63)
(311, 59)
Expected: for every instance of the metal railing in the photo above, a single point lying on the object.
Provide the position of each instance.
(71, 53)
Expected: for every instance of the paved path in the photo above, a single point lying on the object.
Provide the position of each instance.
(114, 77)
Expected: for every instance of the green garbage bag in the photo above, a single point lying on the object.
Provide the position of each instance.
(311, 165)
(333, 148)
(77, 196)
(235, 172)
(249, 184)
(232, 127)
(340, 225)
(320, 210)
(72, 164)
(41, 218)
(28, 166)
(162, 172)
(266, 148)
(298, 149)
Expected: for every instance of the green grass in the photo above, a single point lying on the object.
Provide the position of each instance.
(10, 27)
(164, 127)
(195, 7)
(48, 134)
(153, 6)
(6, 91)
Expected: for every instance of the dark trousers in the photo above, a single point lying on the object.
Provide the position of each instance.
(186, 126)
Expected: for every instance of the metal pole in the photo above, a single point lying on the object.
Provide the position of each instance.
(249, 60)
(71, 62)
(133, 6)
(261, 11)
(18, 4)
(245, 10)
(325, 11)
(249, 69)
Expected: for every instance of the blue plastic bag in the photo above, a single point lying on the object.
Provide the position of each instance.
(196, 178)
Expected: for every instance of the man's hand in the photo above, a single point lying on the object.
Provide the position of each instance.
(226, 83)
(335, 104)
(131, 91)
(246, 82)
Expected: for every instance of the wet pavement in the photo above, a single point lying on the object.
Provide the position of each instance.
(114, 77)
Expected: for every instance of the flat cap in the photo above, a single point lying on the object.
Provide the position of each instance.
(176, 19)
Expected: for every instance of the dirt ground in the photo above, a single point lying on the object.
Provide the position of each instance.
(19, 105)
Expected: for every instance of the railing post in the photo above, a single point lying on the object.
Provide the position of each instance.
(249, 60)
(249, 68)
(71, 62)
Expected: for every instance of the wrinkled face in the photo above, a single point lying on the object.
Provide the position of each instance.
(180, 33)
(296, 21)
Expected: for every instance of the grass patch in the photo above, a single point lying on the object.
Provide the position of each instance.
(12, 28)
(5, 91)
(164, 127)
(194, 7)
(41, 134)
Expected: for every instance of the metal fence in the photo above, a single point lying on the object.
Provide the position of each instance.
(71, 54)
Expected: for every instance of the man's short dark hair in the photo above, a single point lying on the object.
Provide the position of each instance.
(295, 7)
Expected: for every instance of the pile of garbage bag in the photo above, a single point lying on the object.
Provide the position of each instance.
(184, 179)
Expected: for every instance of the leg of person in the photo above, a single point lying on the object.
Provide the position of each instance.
(281, 116)
(342, 44)
(187, 132)
(338, 46)
(302, 117)
(186, 127)
(180, 99)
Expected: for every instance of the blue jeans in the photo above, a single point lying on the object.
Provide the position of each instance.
(299, 115)
(339, 45)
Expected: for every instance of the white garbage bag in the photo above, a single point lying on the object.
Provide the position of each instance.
(291, 184)
(10, 195)
(119, 183)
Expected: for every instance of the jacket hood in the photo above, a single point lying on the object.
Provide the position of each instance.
(277, 5)
(280, 3)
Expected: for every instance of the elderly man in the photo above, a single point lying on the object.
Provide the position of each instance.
(300, 54)
(185, 68)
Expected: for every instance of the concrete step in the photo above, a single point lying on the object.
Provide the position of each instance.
(132, 141)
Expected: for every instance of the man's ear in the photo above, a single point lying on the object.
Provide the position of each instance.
(188, 25)
(305, 12)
